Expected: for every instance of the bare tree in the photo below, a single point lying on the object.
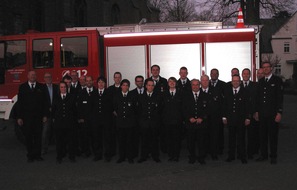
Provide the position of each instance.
(253, 10)
(175, 10)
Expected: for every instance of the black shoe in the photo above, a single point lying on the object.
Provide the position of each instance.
(97, 158)
(131, 161)
(39, 159)
(202, 161)
(30, 160)
(244, 161)
(261, 158)
(175, 160)
(120, 160)
(230, 159)
(108, 159)
(191, 160)
(170, 159)
(250, 157)
(141, 160)
(72, 160)
(59, 161)
(273, 161)
(214, 157)
(157, 160)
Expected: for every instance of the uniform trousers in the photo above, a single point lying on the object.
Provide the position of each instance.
(32, 130)
(268, 132)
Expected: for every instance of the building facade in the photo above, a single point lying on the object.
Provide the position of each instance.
(16, 17)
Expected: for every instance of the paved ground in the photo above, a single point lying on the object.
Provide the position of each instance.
(16, 173)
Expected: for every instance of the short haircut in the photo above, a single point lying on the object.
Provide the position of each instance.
(139, 76)
(117, 73)
(66, 77)
(193, 80)
(246, 69)
(266, 62)
(172, 78)
(183, 68)
(101, 78)
(125, 81)
(148, 80)
(155, 66)
(214, 69)
(235, 69)
(236, 76)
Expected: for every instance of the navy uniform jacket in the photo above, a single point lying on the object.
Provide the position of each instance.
(172, 108)
(195, 109)
(101, 107)
(64, 111)
(270, 96)
(215, 103)
(184, 87)
(161, 85)
(32, 103)
(251, 91)
(149, 109)
(236, 107)
(125, 108)
(83, 104)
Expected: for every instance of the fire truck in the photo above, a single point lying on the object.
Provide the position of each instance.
(129, 49)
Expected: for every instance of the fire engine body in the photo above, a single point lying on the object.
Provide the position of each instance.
(131, 50)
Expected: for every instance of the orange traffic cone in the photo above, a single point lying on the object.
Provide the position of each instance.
(240, 21)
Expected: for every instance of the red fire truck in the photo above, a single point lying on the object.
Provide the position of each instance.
(200, 46)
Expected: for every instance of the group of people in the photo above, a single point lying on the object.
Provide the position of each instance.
(89, 118)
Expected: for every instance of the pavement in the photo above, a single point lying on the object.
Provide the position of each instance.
(17, 174)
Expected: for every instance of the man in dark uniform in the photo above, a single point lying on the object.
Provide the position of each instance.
(101, 109)
(218, 87)
(32, 111)
(252, 129)
(161, 85)
(64, 117)
(52, 90)
(111, 132)
(195, 108)
(159, 82)
(236, 115)
(83, 105)
(149, 120)
(215, 115)
(137, 92)
(183, 83)
(172, 119)
(125, 111)
(75, 85)
(269, 108)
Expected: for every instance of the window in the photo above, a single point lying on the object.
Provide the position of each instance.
(74, 52)
(15, 53)
(277, 69)
(287, 47)
(43, 54)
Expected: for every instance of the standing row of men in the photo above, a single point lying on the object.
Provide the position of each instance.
(155, 114)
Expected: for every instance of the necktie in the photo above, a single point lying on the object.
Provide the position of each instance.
(235, 92)
(184, 82)
(50, 90)
(125, 95)
(266, 79)
(245, 84)
(149, 94)
(140, 91)
(89, 91)
(32, 86)
(196, 96)
(100, 93)
(171, 94)
(63, 97)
